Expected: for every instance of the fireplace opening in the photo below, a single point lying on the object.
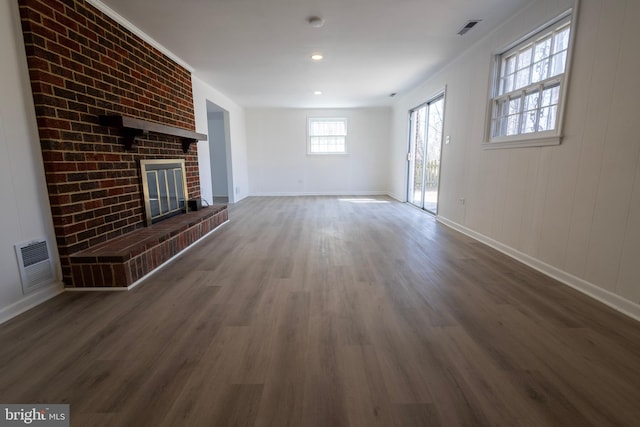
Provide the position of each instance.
(164, 187)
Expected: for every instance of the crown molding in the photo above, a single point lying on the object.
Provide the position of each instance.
(138, 32)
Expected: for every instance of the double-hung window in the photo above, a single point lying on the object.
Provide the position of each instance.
(326, 135)
(529, 86)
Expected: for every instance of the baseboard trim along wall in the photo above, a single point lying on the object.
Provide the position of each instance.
(31, 300)
(397, 197)
(315, 193)
(614, 301)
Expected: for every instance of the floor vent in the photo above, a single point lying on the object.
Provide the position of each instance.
(34, 261)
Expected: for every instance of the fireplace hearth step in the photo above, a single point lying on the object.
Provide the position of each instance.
(121, 262)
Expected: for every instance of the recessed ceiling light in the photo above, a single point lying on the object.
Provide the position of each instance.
(317, 92)
(317, 57)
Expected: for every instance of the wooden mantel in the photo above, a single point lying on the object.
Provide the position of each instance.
(133, 128)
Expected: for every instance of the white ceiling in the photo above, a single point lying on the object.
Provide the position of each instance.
(258, 52)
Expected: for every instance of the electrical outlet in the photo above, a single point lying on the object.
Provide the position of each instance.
(462, 200)
(447, 139)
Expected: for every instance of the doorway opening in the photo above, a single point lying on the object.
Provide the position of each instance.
(425, 148)
(219, 152)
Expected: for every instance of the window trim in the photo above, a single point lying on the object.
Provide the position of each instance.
(541, 138)
(328, 118)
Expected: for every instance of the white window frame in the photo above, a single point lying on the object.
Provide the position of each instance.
(536, 138)
(310, 120)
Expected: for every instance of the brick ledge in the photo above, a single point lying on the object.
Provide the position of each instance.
(122, 261)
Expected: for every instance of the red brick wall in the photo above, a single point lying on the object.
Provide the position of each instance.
(82, 65)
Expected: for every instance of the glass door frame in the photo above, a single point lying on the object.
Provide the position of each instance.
(411, 157)
(441, 95)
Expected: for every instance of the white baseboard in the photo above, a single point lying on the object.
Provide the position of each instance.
(149, 274)
(397, 197)
(320, 193)
(614, 301)
(31, 300)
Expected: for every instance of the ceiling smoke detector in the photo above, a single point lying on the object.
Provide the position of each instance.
(315, 21)
(469, 25)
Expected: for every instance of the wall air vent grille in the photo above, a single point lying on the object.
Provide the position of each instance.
(34, 261)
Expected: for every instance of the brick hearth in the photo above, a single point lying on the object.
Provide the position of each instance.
(123, 261)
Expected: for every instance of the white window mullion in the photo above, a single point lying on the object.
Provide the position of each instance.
(522, 122)
(531, 63)
(551, 49)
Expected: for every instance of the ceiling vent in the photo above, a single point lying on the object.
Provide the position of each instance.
(34, 261)
(469, 25)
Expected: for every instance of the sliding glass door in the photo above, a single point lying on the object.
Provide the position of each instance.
(425, 145)
(416, 155)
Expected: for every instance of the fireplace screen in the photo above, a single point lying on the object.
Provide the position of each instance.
(164, 187)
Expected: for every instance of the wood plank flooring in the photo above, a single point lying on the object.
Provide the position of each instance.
(327, 311)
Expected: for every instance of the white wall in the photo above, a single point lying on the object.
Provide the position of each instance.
(279, 164)
(572, 210)
(25, 215)
(238, 147)
(218, 154)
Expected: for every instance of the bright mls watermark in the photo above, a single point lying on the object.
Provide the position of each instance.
(34, 415)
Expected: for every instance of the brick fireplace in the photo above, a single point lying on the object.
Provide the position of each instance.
(84, 65)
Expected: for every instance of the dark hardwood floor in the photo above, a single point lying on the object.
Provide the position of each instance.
(322, 311)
